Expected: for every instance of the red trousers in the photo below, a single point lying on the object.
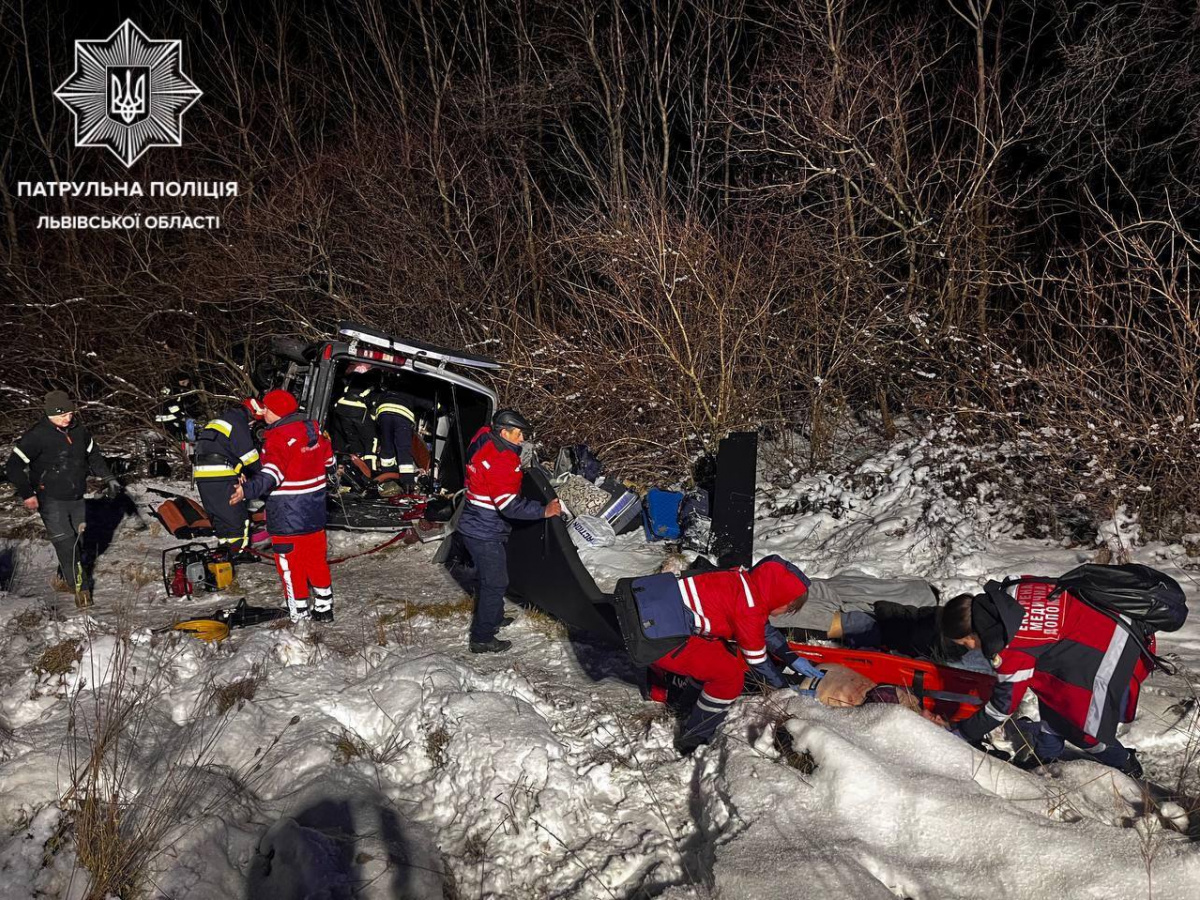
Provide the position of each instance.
(302, 563)
(721, 672)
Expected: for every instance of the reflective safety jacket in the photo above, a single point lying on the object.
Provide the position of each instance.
(494, 489)
(174, 411)
(395, 415)
(353, 424)
(55, 462)
(225, 447)
(296, 457)
(1085, 668)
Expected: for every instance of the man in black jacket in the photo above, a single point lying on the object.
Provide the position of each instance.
(353, 425)
(49, 467)
(179, 404)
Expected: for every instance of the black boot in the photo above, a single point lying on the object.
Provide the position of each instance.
(699, 728)
(1132, 767)
(682, 694)
(322, 615)
(495, 645)
(686, 745)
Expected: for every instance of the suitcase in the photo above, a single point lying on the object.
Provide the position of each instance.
(624, 511)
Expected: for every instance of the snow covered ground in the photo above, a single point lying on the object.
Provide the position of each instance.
(377, 758)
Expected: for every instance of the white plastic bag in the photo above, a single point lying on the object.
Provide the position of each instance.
(591, 531)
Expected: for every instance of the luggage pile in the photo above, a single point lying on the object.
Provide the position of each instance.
(600, 507)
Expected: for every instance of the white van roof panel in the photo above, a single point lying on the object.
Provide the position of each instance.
(415, 350)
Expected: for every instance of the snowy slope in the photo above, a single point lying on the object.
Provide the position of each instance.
(377, 758)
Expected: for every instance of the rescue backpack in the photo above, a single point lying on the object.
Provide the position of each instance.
(1152, 599)
(1149, 599)
(184, 518)
(652, 617)
(1140, 593)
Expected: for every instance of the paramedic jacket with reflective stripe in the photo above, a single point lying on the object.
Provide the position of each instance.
(230, 438)
(735, 604)
(1084, 668)
(494, 489)
(55, 462)
(295, 459)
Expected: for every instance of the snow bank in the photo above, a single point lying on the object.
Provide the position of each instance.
(899, 807)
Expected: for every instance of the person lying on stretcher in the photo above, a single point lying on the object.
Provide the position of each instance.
(900, 615)
(838, 685)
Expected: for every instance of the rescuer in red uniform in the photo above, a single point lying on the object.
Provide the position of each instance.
(296, 458)
(1082, 665)
(493, 500)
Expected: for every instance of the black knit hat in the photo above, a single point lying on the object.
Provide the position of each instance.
(57, 403)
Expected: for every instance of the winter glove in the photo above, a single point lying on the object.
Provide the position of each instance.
(113, 489)
(804, 668)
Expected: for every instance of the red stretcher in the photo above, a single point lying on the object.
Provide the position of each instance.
(954, 694)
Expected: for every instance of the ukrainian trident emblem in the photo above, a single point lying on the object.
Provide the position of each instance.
(128, 100)
(128, 93)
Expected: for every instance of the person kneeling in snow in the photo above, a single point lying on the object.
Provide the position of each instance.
(712, 629)
(1076, 660)
(295, 459)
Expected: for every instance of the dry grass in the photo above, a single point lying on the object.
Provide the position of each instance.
(440, 611)
(59, 659)
(475, 849)
(651, 713)
(123, 816)
(347, 646)
(800, 760)
(24, 530)
(104, 851)
(450, 889)
(396, 622)
(139, 575)
(236, 693)
(349, 746)
(607, 756)
(436, 741)
(27, 620)
(545, 624)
